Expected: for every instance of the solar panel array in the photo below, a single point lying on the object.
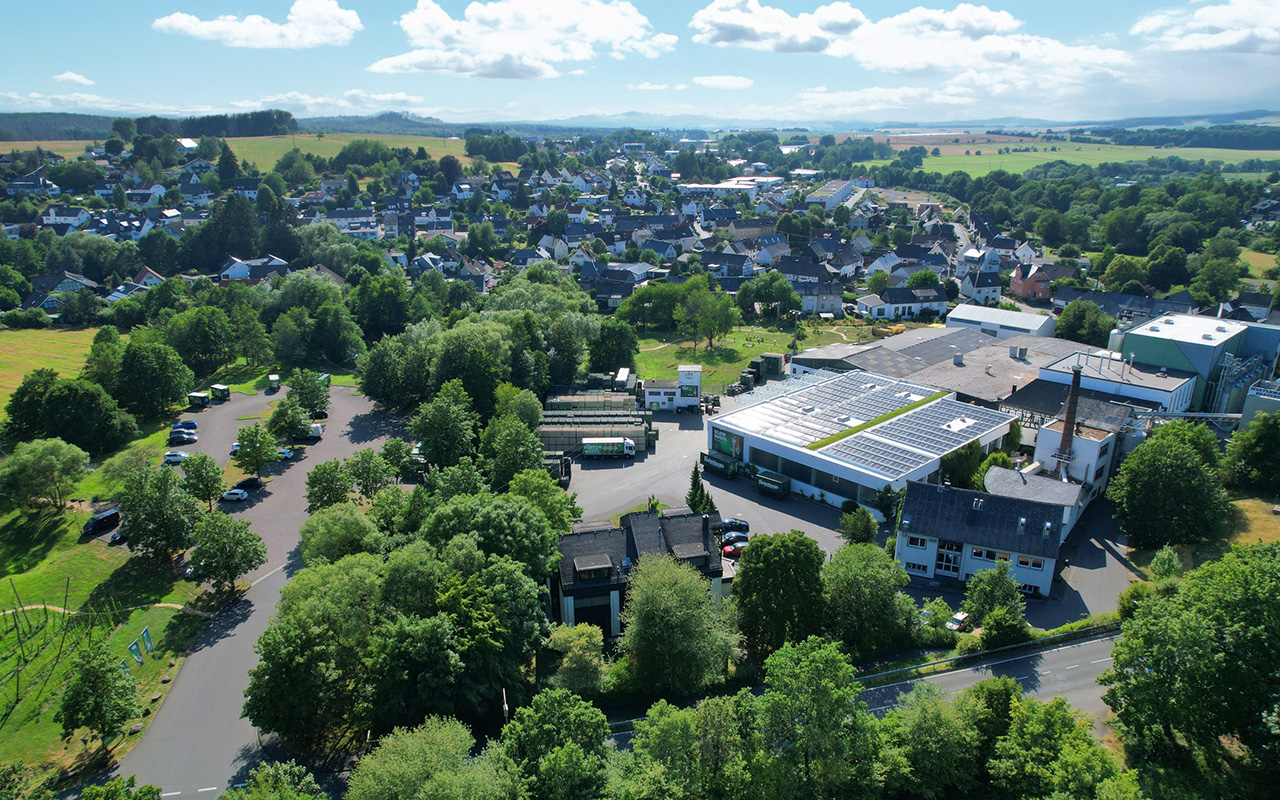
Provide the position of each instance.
(883, 457)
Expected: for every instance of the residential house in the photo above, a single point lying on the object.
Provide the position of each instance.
(1127, 309)
(74, 216)
(1035, 281)
(665, 250)
(981, 287)
(247, 188)
(1003, 245)
(597, 557)
(728, 265)
(821, 297)
(525, 257)
(904, 303)
(462, 191)
(977, 259)
(252, 270)
(148, 277)
(799, 269)
(751, 228)
(1025, 252)
(555, 247)
(198, 166)
(33, 185)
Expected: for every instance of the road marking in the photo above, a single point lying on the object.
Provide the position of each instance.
(1073, 666)
(208, 789)
(169, 794)
(268, 575)
(1101, 660)
(1046, 672)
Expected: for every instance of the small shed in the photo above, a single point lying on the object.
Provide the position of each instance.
(198, 399)
(273, 380)
(220, 392)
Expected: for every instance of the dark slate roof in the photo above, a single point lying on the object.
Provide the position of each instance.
(817, 288)
(1115, 304)
(46, 283)
(981, 519)
(1095, 409)
(802, 266)
(675, 531)
(982, 280)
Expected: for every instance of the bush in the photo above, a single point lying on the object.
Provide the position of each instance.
(1133, 596)
(26, 318)
(967, 645)
(935, 638)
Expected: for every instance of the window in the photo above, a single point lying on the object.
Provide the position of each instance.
(916, 567)
(915, 541)
(1102, 451)
(1030, 563)
(979, 554)
(1002, 556)
(988, 555)
(1099, 472)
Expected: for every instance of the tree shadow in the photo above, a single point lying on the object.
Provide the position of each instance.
(371, 426)
(28, 538)
(141, 580)
(181, 632)
(192, 633)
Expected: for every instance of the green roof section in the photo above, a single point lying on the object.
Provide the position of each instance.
(871, 423)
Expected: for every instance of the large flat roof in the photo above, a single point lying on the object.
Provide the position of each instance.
(1107, 366)
(1187, 329)
(999, 316)
(890, 449)
(991, 373)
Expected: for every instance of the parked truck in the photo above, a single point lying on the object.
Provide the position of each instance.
(609, 447)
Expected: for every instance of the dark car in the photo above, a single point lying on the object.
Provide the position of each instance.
(186, 425)
(320, 414)
(732, 538)
(182, 437)
(248, 484)
(102, 521)
(119, 538)
(734, 524)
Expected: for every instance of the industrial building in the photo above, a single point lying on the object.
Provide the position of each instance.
(1000, 323)
(683, 393)
(831, 194)
(838, 437)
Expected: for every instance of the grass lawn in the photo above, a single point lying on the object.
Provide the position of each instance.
(249, 379)
(1258, 263)
(1090, 154)
(22, 351)
(660, 355)
(1251, 523)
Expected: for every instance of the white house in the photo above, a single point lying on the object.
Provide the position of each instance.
(904, 303)
(981, 287)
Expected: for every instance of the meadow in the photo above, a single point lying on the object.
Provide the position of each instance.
(1090, 154)
(22, 351)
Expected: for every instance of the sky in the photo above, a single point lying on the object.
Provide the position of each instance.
(766, 61)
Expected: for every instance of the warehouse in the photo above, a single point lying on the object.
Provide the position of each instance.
(847, 436)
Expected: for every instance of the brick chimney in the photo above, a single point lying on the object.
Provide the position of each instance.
(1069, 423)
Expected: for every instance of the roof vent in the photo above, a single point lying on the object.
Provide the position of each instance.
(1022, 524)
(958, 359)
(1168, 320)
(1155, 328)
(1222, 329)
(843, 418)
(807, 409)
(1208, 337)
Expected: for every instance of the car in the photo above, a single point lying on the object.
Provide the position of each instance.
(176, 456)
(118, 537)
(186, 425)
(235, 448)
(731, 538)
(182, 438)
(235, 495)
(958, 622)
(102, 521)
(248, 484)
(734, 549)
(735, 524)
(320, 414)
(284, 453)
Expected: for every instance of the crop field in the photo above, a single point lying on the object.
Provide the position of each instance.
(24, 350)
(1090, 154)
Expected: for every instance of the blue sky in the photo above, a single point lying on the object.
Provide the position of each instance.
(766, 60)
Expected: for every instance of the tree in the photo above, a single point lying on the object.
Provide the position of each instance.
(923, 279)
(997, 459)
(152, 377)
(380, 305)
(446, 426)
(515, 448)
(434, 760)
(523, 403)
(1003, 626)
(554, 725)
(989, 589)
(160, 511)
(1253, 455)
(202, 478)
(257, 449)
(672, 628)
(1167, 267)
(1216, 280)
(858, 526)
(929, 748)
(120, 788)
(1165, 564)
(25, 408)
(544, 492)
(328, 483)
(271, 780)
(506, 524)
(698, 498)
(99, 695)
(877, 282)
(125, 128)
(1083, 321)
(43, 470)
(203, 337)
(370, 473)
(817, 737)
(1165, 494)
(865, 609)
(1122, 270)
(778, 590)
(961, 465)
(224, 550)
(1189, 666)
(228, 166)
(1195, 434)
(1049, 748)
(289, 420)
(337, 531)
(614, 347)
(83, 414)
(309, 390)
(582, 663)
(952, 287)
(103, 362)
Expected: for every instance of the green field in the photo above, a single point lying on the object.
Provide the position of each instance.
(25, 350)
(265, 151)
(1090, 154)
(659, 356)
(1258, 263)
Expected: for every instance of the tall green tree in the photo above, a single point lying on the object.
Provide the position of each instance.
(514, 448)
(369, 472)
(929, 748)
(989, 589)
(309, 390)
(674, 630)
(554, 728)
(446, 426)
(225, 549)
(328, 483)
(1253, 455)
(336, 531)
(778, 590)
(1165, 494)
(1049, 749)
(582, 663)
(273, 780)
(151, 378)
(614, 347)
(160, 511)
(203, 337)
(288, 420)
(433, 760)
(24, 411)
(865, 608)
(99, 695)
(42, 471)
(103, 362)
(202, 478)
(1083, 321)
(257, 449)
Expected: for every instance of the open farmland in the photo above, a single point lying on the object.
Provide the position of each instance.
(1090, 154)
(57, 348)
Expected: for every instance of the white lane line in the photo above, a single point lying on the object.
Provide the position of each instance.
(1101, 660)
(988, 665)
(1046, 672)
(169, 794)
(208, 789)
(268, 575)
(1073, 666)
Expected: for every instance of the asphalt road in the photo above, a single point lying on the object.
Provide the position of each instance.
(198, 744)
(1068, 671)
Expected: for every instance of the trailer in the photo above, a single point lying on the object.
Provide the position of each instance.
(317, 430)
(608, 447)
(198, 399)
(720, 465)
(773, 484)
(273, 382)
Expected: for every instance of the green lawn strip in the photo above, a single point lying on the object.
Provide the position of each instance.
(835, 437)
(29, 733)
(616, 520)
(22, 351)
(101, 482)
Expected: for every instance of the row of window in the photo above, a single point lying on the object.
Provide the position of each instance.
(911, 567)
(979, 553)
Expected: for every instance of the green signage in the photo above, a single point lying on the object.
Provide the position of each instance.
(725, 442)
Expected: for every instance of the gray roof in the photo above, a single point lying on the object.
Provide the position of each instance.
(990, 373)
(599, 545)
(945, 512)
(1038, 488)
(1117, 372)
(1093, 408)
(897, 356)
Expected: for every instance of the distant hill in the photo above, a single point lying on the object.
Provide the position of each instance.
(389, 122)
(46, 126)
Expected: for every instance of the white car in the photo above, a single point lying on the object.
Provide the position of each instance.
(176, 456)
(235, 495)
(235, 448)
(285, 453)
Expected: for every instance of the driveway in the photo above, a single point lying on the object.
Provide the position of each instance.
(198, 743)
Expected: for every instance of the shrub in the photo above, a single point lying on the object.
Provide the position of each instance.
(968, 644)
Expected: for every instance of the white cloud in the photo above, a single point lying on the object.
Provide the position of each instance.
(311, 23)
(724, 82)
(522, 39)
(820, 102)
(970, 38)
(352, 101)
(72, 77)
(1239, 25)
(648, 87)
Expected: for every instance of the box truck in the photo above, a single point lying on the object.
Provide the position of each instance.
(610, 447)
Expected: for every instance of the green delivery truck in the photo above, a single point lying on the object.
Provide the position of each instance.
(609, 447)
